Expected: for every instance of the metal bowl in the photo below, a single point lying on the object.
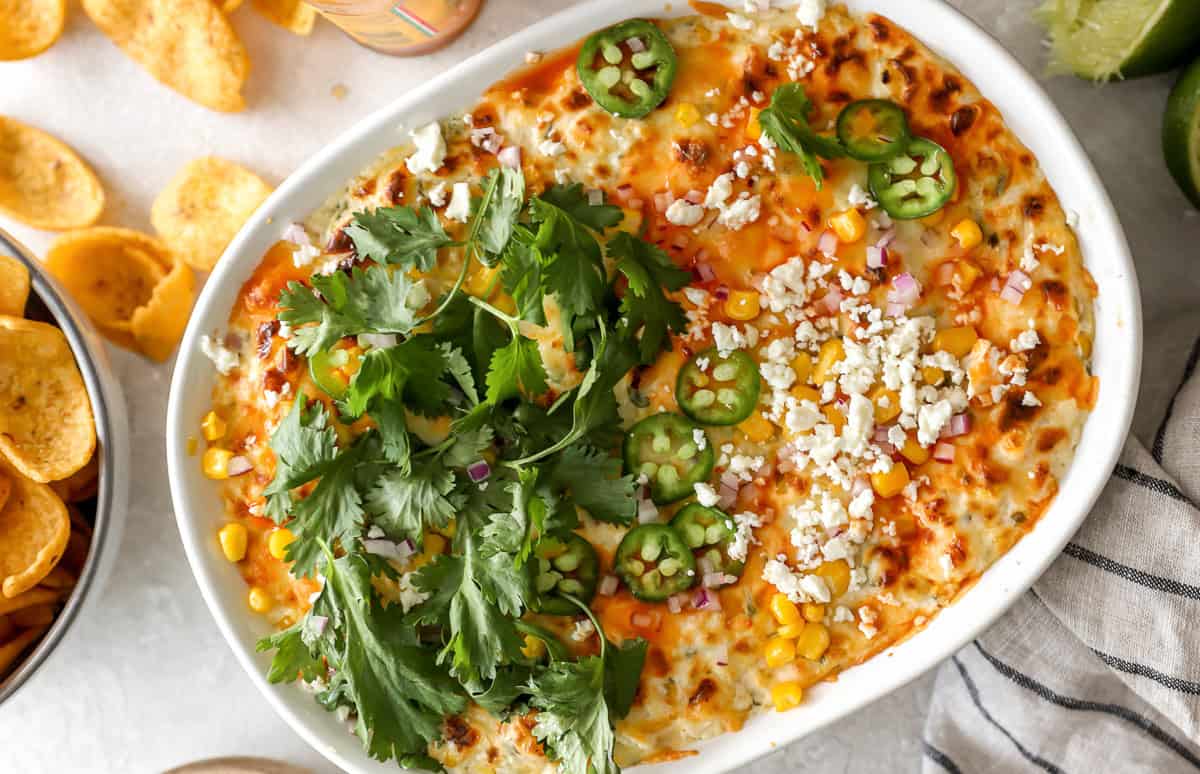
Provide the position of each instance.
(49, 302)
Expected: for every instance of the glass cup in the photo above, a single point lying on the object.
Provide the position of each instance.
(400, 27)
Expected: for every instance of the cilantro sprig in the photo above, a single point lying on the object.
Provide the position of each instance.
(785, 121)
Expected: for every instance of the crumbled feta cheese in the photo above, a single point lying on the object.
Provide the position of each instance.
(430, 149)
(727, 338)
(304, 255)
(930, 421)
(684, 213)
(719, 192)
(460, 203)
(705, 494)
(583, 630)
(1029, 399)
(809, 12)
(551, 148)
(743, 211)
(270, 398)
(842, 614)
(739, 22)
(223, 358)
(1025, 341)
(699, 438)
(946, 562)
(410, 595)
(858, 197)
(437, 195)
(743, 534)
(866, 622)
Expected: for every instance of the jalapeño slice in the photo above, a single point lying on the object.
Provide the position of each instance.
(724, 392)
(708, 532)
(628, 68)
(873, 129)
(323, 368)
(567, 565)
(664, 448)
(654, 562)
(916, 183)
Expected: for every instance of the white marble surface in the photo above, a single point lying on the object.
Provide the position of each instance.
(144, 681)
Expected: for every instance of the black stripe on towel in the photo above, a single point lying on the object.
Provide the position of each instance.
(940, 758)
(1141, 670)
(1158, 485)
(1156, 582)
(1189, 368)
(1033, 758)
(1068, 702)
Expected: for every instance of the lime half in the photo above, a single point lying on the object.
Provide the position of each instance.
(1106, 39)
(1181, 132)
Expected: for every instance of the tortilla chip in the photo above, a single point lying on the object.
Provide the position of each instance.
(293, 15)
(37, 596)
(12, 650)
(5, 489)
(43, 183)
(158, 326)
(229, 6)
(80, 485)
(47, 431)
(204, 206)
(34, 528)
(60, 577)
(14, 284)
(34, 616)
(6, 629)
(29, 27)
(110, 272)
(75, 557)
(187, 45)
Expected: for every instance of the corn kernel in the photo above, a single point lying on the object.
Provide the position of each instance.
(836, 575)
(686, 114)
(232, 538)
(932, 375)
(757, 428)
(848, 225)
(215, 463)
(914, 452)
(802, 364)
(813, 641)
(813, 612)
(804, 392)
(887, 404)
(787, 695)
(435, 543)
(259, 599)
(481, 280)
(533, 648)
(790, 631)
(965, 275)
(450, 528)
(753, 128)
(957, 341)
(778, 652)
(742, 305)
(834, 417)
(784, 609)
(832, 352)
(212, 427)
(967, 233)
(278, 541)
(891, 483)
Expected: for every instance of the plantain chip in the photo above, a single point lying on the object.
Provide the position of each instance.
(46, 427)
(6, 487)
(80, 485)
(14, 285)
(229, 6)
(29, 27)
(293, 15)
(188, 45)
(158, 326)
(110, 272)
(12, 650)
(35, 596)
(60, 577)
(43, 183)
(34, 616)
(34, 529)
(204, 206)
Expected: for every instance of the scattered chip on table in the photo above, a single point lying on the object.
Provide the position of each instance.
(293, 15)
(43, 183)
(29, 27)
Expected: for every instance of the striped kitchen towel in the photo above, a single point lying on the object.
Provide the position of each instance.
(1097, 668)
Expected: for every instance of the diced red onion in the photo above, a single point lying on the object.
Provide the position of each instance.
(722, 655)
(318, 623)
(510, 156)
(624, 191)
(712, 580)
(694, 196)
(831, 302)
(645, 620)
(859, 486)
(405, 549)
(662, 200)
(704, 272)
(704, 565)
(876, 257)
(636, 204)
(647, 511)
(943, 452)
(885, 239)
(296, 234)
(608, 586)
(721, 293)
(1011, 295)
(960, 424)
(827, 244)
(701, 598)
(881, 433)
(1016, 286)
(385, 548)
(479, 471)
(905, 289)
(748, 493)
(595, 197)
(239, 465)
(896, 310)
(674, 604)
(635, 45)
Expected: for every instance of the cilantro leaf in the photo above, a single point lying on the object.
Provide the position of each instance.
(304, 446)
(516, 368)
(623, 674)
(400, 235)
(595, 483)
(410, 372)
(646, 308)
(572, 199)
(403, 504)
(522, 276)
(331, 512)
(572, 269)
(392, 422)
(460, 371)
(374, 300)
(518, 530)
(573, 718)
(397, 692)
(785, 121)
(504, 195)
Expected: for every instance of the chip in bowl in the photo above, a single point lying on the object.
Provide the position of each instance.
(34, 529)
(187, 45)
(203, 207)
(43, 183)
(14, 286)
(27, 28)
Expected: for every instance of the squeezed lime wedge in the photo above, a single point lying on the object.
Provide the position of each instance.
(1106, 39)
(1181, 132)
